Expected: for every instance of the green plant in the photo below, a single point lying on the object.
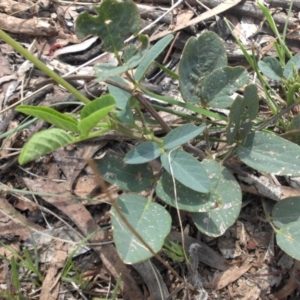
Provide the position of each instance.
(285, 70)
(195, 181)
(30, 270)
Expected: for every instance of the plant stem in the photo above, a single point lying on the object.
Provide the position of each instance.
(6, 38)
(129, 133)
(92, 135)
(274, 118)
(141, 115)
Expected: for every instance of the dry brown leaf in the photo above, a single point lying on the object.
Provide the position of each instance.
(13, 223)
(73, 161)
(229, 276)
(51, 285)
(85, 184)
(183, 17)
(23, 205)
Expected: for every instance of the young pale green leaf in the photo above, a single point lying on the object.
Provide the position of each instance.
(51, 116)
(134, 178)
(149, 219)
(182, 135)
(286, 211)
(95, 111)
(187, 199)
(150, 57)
(87, 124)
(133, 55)
(242, 113)
(173, 250)
(97, 104)
(269, 153)
(200, 57)
(44, 142)
(106, 70)
(288, 239)
(142, 153)
(271, 67)
(221, 84)
(225, 187)
(115, 22)
(187, 170)
(292, 65)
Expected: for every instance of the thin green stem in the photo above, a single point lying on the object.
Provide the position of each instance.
(276, 117)
(251, 59)
(121, 128)
(188, 106)
(273, 26)
(6, 38)
(92, 135)
(142, 118)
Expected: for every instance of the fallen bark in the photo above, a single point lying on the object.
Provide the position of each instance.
(12, 7)
(32, 27)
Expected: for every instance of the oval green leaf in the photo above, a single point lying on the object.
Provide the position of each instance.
(225, 187)
(134, 178)
(221, 84)
(44, 142)
(242, 112)
(149, 219)
(292, 65)
(51, 116)
(121, 96)
(269, 153)
(286, 211)
(187, 199)
(288, 239)
(187, 170)
(182, 135)
(201, 56)
(142, 153)
(271, 67)
(122, 99)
